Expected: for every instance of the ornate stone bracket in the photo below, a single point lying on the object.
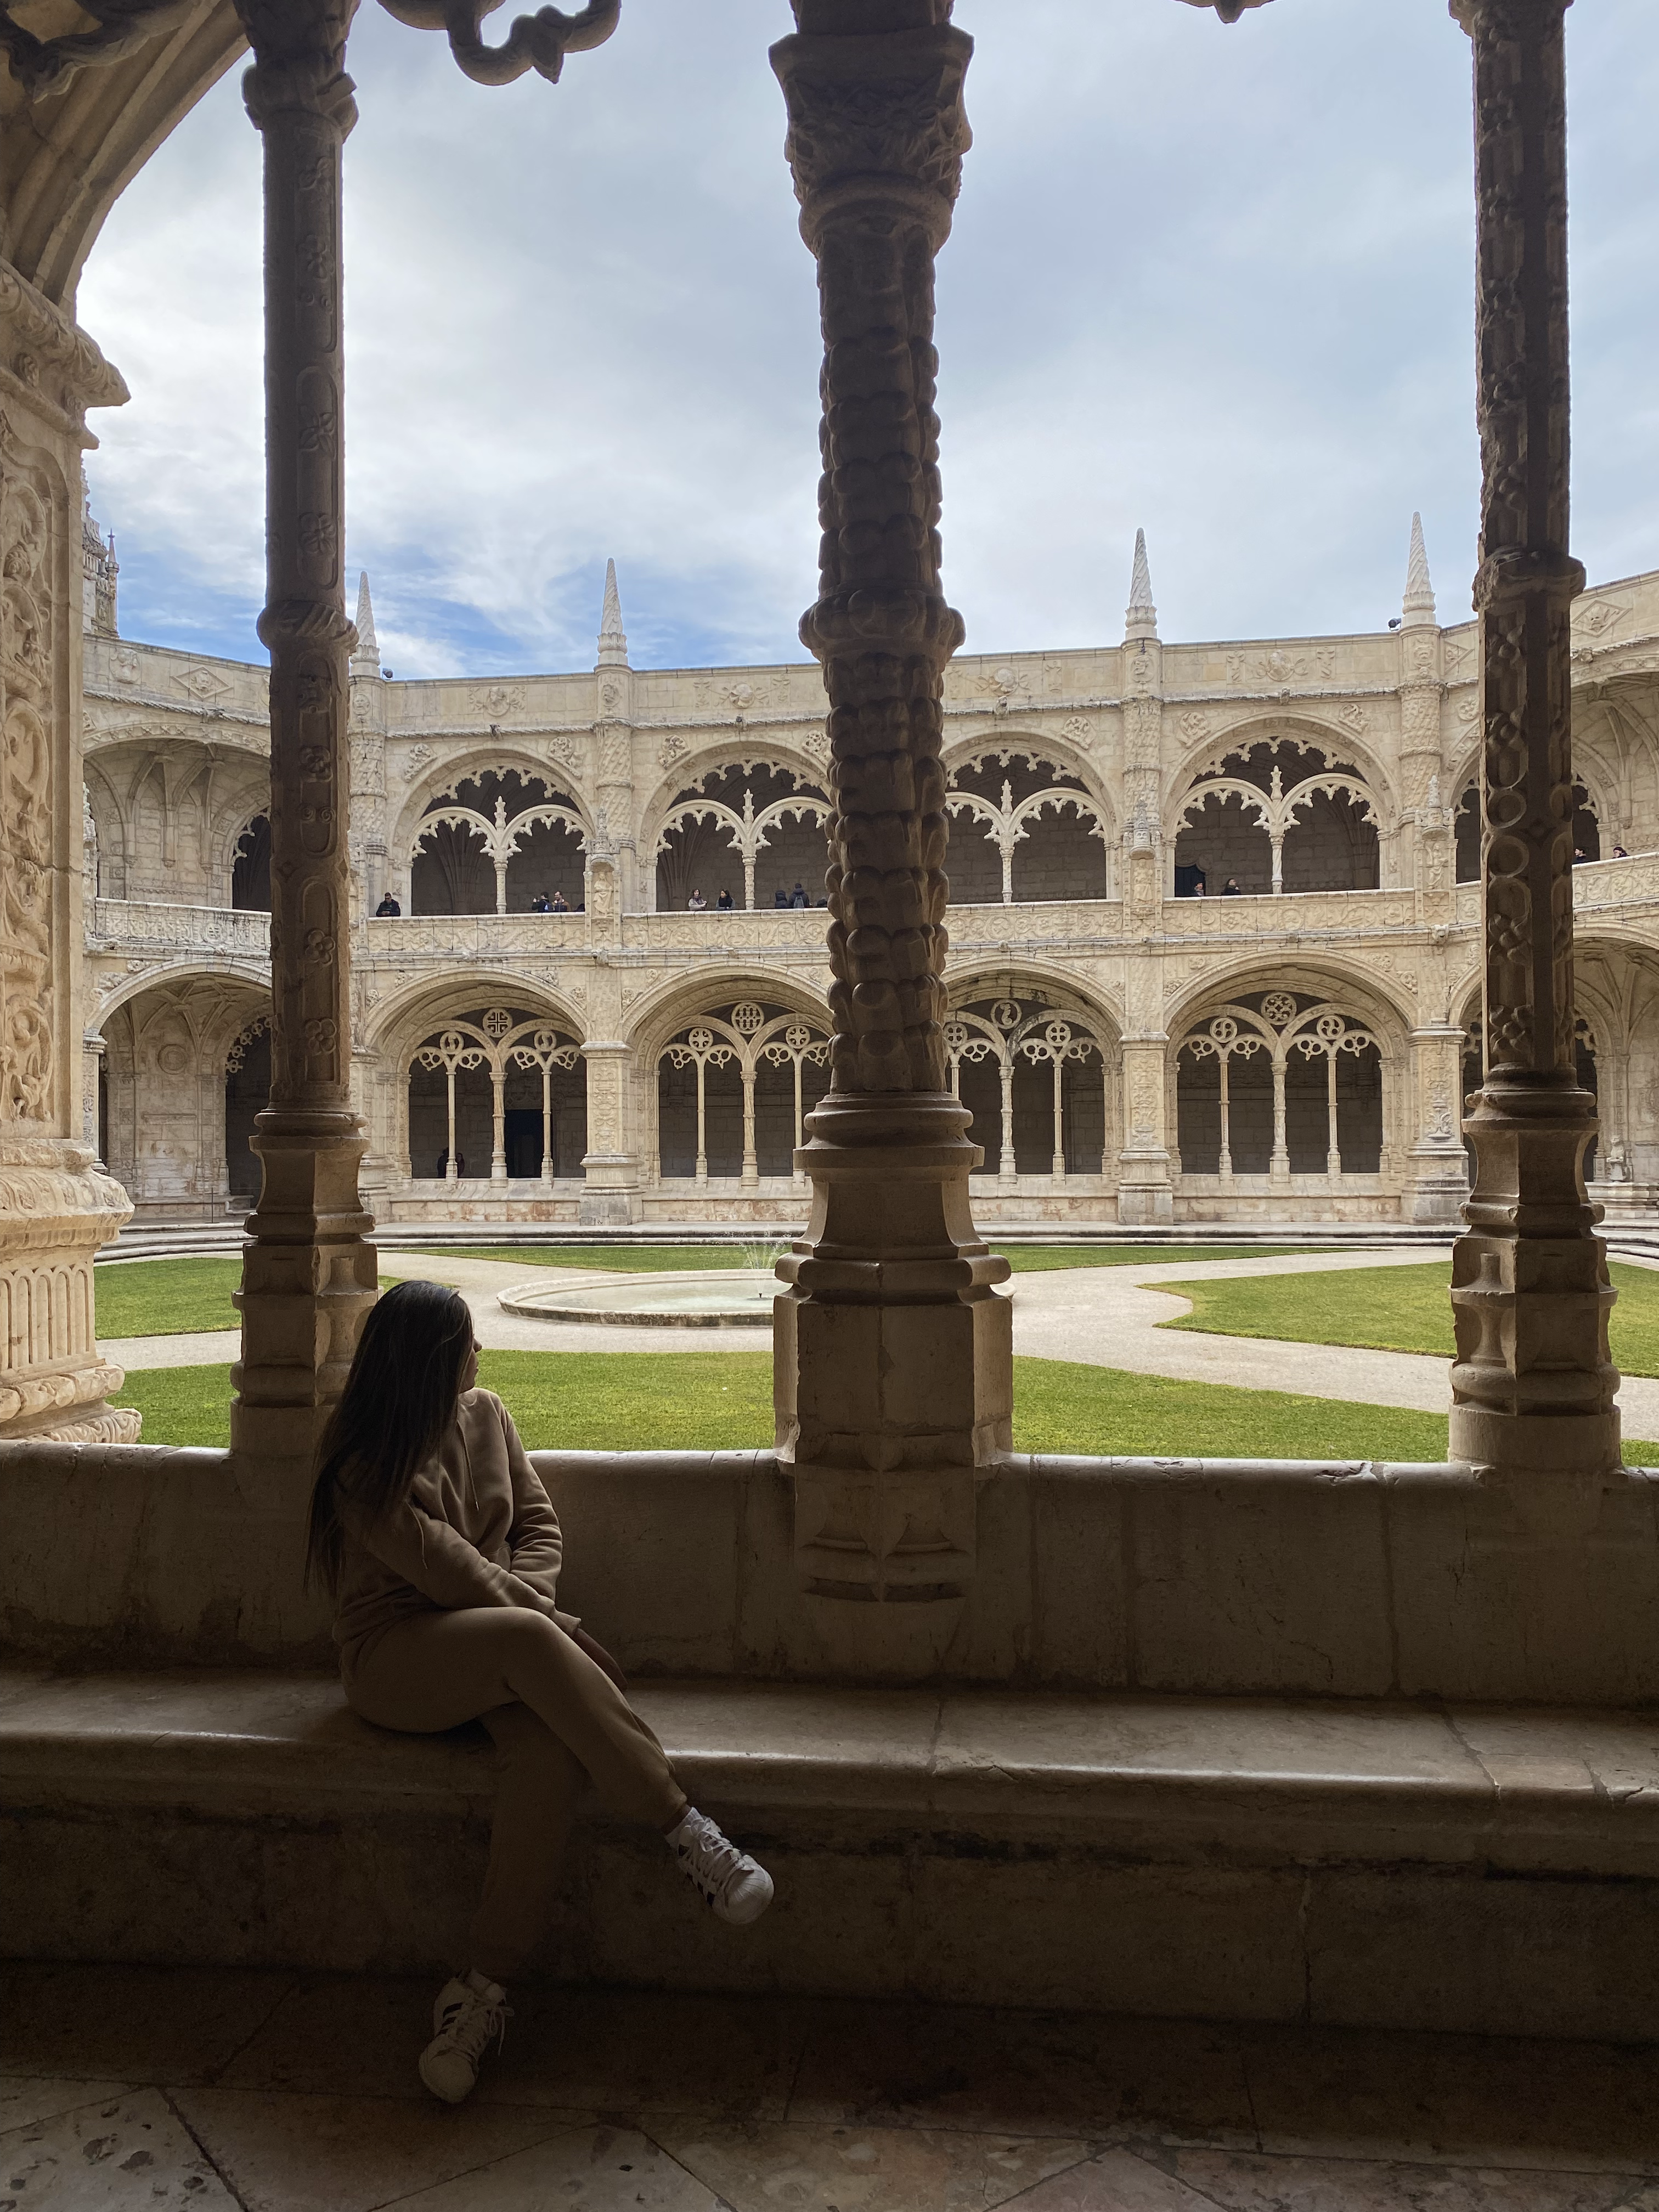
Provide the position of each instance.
(42, 65)
(540, 41)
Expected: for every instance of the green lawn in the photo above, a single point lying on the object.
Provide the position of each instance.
(167, 1297)
(1393, 1310)
(1023, 1258)
(176, 1298)
(170, 1298)
(632, 1402)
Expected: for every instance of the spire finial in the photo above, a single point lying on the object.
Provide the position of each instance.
(1417, 606)
(613, 643)
(1141, 618)
(366, 660)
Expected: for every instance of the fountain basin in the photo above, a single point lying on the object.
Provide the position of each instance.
(726, 1297)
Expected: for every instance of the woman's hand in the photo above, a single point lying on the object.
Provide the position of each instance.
(601, 1658)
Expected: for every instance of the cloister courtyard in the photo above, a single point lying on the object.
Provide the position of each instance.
(1065, 1203)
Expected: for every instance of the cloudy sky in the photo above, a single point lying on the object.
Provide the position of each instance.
(1214, 281)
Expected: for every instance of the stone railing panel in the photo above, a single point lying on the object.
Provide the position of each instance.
(149, 926)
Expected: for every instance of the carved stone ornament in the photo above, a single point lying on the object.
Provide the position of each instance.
(42, 65)
(540, 41)
(1533, 1385)
(890, 1279)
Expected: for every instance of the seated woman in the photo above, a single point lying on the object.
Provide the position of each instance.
(429, 1526)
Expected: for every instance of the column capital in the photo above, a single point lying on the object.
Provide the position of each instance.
(299, 61)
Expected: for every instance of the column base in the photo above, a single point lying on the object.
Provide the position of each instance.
(1533, 1388)
(56, 1209)
(309, 1275)
(893, 1373)
(606, 1209)
(1145, 1205)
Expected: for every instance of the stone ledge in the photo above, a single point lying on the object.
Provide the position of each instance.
(1178, 1780)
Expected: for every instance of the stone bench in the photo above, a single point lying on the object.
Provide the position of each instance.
(1485, 1868)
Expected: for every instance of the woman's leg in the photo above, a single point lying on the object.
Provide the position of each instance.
(438, 1669)
(535, 1807)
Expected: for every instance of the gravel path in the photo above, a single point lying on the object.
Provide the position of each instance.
(1100, 1316)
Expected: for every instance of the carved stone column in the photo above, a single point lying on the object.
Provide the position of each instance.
(1438, 1173)
(308, 1272)
(1533, 1388)
(57, 1206)
(893, 1355)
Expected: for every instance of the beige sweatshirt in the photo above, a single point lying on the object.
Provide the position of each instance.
(477, 1529)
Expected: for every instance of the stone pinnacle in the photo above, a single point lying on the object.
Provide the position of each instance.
(1141, 617)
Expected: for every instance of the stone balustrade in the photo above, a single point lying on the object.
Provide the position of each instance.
(149, 926)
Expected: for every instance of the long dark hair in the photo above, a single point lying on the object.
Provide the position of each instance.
(399, 1399)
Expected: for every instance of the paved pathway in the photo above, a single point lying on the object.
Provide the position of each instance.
(1101, 1317)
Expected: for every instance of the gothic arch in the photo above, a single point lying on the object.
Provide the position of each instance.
(219, 969)
(1019, 807)
(1300, 727)
(790, 757)
(791, 814)
(100, 128)
(729, 1083)
(1256, 1084)
(1323, 976)
(649, 1023)
(430, 999)
(1039, 1067)
(446, 776)
(1223, 802)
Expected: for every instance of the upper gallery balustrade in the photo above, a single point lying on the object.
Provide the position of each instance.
(153, 926)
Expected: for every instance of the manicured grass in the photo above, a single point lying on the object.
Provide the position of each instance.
(1393, 1310)
(169, 1298)
(180, 1404)
(630, 1401)
(1023, 1258)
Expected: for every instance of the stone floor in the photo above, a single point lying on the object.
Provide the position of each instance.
(130, 2088)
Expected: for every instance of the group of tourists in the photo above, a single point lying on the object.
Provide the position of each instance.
(724, 903)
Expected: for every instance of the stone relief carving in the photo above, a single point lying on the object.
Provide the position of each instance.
(26, 785)
(1276, 668)
(498, 703)
(1597, 617)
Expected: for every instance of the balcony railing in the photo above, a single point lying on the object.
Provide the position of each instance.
(153, 926)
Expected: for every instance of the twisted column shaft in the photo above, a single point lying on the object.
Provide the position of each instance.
(308, 1274)
(877, 134)
(893, 1357)
(1532, 1386)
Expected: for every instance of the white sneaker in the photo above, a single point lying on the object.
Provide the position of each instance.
(465, 2021)
(728, 1880)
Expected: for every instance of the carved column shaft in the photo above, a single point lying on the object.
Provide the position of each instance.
(56, 1208)
(1532, 1387)
(893, 1355)
(308, 1273)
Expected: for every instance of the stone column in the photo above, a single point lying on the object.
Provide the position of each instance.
(308, 1273)
(1533, 1388)
(56, 1208)
(92, 1069)
(610, 1169)
(893, 1368)
(1439, 1171)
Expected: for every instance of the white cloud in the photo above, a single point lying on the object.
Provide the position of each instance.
(1214, 281)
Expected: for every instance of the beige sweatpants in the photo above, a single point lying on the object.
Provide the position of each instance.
(557, 1720)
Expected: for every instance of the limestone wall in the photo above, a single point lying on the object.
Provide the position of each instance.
(610, 787)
